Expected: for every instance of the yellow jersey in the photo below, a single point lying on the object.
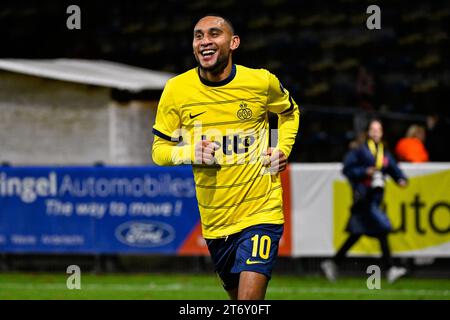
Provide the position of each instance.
(237, 191)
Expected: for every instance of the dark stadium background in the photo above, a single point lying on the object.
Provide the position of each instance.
(316, 48)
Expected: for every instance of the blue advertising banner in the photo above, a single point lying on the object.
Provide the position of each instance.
(96, 209)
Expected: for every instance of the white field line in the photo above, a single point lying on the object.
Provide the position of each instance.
(180, 287)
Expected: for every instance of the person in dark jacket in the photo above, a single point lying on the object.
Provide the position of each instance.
(366, 168)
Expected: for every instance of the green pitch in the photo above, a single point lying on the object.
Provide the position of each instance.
(185, 286)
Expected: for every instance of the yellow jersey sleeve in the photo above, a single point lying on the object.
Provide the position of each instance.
(168, 122)
(167, 149)
(167, 153)
(278, 98)
(279, 101)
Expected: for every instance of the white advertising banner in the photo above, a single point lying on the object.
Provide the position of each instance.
(420, 214)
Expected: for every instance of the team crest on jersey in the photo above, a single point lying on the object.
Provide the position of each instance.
(244, 112)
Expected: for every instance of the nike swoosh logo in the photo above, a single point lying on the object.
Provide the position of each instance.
(254, 261)
(195, 115)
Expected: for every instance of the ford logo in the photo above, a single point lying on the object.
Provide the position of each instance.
(145, 234)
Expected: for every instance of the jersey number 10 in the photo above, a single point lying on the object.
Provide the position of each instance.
(261, 246)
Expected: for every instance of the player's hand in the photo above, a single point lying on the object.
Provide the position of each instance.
(204, 152)
(275, 160)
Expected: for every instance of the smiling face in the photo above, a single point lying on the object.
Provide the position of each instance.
(375, 131)
(213, 43)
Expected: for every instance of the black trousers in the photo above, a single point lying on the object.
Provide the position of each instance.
(353, 238)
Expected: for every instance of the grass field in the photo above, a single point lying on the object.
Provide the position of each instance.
(205, 287)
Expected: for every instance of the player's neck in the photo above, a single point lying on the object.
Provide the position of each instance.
(217, 76)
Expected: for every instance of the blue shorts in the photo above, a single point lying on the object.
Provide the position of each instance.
(252, 249)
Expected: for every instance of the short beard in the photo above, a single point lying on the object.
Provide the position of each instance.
(218, 67)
